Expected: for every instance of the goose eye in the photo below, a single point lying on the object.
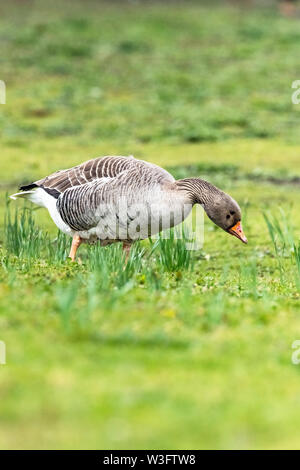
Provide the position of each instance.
(228, 216)
(232, 212)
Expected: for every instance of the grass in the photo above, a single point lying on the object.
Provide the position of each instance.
(176, 348)
(174, 253)
(297, 258)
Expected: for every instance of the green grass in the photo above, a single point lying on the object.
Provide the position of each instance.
(175, 349)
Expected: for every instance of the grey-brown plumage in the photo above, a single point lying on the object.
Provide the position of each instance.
(84, 201)
(101, 167)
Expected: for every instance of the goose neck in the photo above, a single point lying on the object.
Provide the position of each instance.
(199, 191)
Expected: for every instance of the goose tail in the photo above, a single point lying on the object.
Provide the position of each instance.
(36, 195)
(23, 194)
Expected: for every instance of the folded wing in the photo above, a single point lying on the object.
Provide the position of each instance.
(94, 169)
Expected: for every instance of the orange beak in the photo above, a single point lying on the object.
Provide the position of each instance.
(237, 231)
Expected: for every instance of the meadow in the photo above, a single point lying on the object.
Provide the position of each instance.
(174, 349)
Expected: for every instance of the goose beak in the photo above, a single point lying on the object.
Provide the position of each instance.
(237, 231)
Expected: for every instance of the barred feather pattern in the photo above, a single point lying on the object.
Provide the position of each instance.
(102, 167)
(200, 191)
(89, 205)
(78, 206)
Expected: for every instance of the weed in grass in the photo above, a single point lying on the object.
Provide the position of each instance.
(132, 266)
(111, 267)
(22, 236)
(276, 235)
(24, 239)
(58, 248)
(9, 270)
(297, 259)
(281, 234)
(154, 278)
(172, 253)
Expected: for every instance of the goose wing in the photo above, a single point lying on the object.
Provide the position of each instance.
(97, 168)
(82, 207)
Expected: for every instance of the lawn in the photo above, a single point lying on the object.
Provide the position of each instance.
(148, 355)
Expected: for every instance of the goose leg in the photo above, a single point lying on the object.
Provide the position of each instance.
(75, 245)
(126, 249)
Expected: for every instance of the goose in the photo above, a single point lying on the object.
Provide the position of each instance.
(122, 199)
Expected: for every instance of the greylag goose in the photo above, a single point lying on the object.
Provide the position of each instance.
(116, 198)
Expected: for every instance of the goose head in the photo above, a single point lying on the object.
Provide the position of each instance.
(225, 212)
(221, 208)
